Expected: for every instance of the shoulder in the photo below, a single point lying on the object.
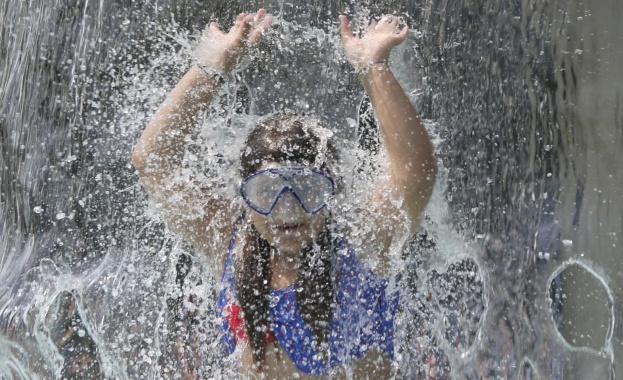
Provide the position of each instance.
(374, 236)
(354, 256)
(349, 266)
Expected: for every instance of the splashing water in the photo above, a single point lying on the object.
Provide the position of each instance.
(521, 238)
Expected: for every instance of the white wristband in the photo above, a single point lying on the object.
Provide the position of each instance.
(365, 69)
(210, 72)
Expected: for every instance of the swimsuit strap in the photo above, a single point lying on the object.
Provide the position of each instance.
(352, 329)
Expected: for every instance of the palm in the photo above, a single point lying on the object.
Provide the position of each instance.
(220, 51)
(375, 45)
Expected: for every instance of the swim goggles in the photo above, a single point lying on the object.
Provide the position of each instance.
(263, 189)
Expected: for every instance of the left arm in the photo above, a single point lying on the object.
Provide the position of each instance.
(411, 154)
(413, 166)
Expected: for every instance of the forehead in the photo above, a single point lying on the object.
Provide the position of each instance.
(275, 165)
(270, 165)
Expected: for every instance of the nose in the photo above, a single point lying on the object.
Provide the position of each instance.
(288, 208)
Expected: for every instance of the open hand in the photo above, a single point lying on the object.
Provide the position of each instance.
(375, 45)
(220, 51)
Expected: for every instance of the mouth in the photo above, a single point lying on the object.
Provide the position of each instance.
(288, 227)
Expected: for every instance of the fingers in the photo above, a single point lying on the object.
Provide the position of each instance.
(394, 22)
(259, 29)
(388, 22)
(265, 23)
(240, 18)
(238, 23)
(345, 30)
(213, 28)
(250, 28)
(262, 20)
(258, 16)
(246, 25)
(403, 33)
(385, 20)
(258, 25)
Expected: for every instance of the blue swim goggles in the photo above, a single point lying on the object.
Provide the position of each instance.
(312, 188)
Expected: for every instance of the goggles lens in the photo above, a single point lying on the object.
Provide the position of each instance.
(311, 187)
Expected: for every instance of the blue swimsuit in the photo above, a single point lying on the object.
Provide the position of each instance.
(362, 320)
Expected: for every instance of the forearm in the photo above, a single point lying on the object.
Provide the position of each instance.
(161, 146)
(408, 145)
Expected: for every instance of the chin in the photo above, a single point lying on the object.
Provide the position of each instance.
(289, 236)
(290, 243)
(288, 249)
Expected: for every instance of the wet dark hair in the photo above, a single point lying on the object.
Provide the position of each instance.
(288, 140)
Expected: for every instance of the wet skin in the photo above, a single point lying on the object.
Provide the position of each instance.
(289, 229)
(409, 148)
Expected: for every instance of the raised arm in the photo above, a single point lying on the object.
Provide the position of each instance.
(410, 151)
(413, 165)
(190, 208)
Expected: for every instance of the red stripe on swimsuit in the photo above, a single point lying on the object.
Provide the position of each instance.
(236, 324)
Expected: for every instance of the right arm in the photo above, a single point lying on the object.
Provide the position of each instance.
(188, 207)
(191, 208)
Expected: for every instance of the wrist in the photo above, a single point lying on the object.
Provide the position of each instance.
(196, 86)
(220, 63)
(208, 72)
(372, 67)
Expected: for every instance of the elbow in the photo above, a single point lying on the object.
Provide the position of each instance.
(432, 169)
(420, 188)
(427, 174)
(431, 177)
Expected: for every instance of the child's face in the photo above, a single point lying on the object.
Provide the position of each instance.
(288, 227)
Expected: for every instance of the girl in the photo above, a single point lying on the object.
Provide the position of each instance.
(296, 300)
